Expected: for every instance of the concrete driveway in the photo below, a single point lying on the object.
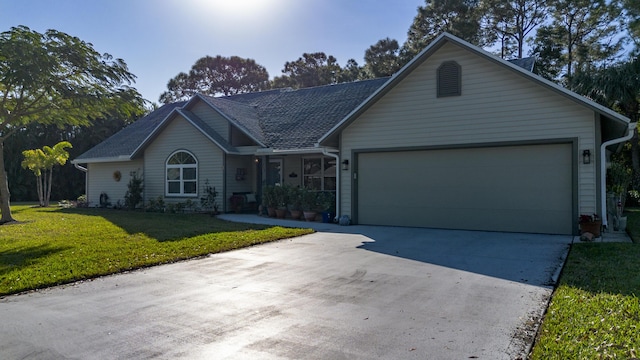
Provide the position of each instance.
(352, 292)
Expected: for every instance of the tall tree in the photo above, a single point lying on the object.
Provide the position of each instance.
(586, 34)
(215, 76)
(617, 87)
(513, 21)
(352, 72)
(383, 58)
(632, 9)
(41, 163)
(55, 78)
(461, 18)
(312, 69)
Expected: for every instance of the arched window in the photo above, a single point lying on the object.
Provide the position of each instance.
(182, 174)
(449, 79)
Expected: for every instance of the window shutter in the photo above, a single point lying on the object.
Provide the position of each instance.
(449, 79)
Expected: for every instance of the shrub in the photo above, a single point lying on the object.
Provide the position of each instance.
(155, 205)
(208, 200)
(82, 201)
(133, 196)
(104, 200)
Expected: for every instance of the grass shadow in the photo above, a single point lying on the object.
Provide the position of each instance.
(163, 226)
(13, 259)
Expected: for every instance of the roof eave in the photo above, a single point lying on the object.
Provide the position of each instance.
(102, 159)
(302, 151)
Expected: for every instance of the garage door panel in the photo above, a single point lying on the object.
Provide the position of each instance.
(515, 188)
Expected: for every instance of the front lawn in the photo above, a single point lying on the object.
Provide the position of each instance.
(595, 313)
(52, 246)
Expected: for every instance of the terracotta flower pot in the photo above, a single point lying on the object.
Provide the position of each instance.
(591, 227)
(271, 212)
(310, 215)
(296, 214)
(281, 213)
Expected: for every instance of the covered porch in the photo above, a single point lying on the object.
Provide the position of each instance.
(312, 169)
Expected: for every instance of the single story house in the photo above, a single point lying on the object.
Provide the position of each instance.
(457, 139)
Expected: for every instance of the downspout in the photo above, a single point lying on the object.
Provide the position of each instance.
(603, 169)
(338, 184)
(81, 168)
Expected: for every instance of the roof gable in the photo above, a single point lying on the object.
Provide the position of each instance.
(518, 66)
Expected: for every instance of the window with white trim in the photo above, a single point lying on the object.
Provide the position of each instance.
(319, 173)
(182, 174)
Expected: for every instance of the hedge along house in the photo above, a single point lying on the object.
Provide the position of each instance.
(458, 139)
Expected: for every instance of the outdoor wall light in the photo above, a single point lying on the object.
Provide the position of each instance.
(586, 156)
(345, 164)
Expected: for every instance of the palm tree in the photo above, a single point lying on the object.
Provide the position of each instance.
(41, 163)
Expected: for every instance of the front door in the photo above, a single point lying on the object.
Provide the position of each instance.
(274, 172)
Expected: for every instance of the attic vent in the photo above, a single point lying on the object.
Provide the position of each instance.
(449, 79)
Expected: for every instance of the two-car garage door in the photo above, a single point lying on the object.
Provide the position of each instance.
(507, 188)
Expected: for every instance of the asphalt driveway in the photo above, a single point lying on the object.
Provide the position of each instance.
(352, 292)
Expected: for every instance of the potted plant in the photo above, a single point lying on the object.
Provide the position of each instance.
(326, 205)
(590, 224)
(309, 204)
(237, 201)
(295, 202)
(268, 200)
(280, 197)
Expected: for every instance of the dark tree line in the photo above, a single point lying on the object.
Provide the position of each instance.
(70, 181)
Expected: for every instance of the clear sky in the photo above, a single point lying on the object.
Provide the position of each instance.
(160, 38)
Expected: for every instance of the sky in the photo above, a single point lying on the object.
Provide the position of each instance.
(160, 38)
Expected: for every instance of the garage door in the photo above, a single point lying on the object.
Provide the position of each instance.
(511, 188)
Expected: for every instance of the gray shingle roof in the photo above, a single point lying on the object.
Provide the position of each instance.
(282, 119)
(296, 119)
(125, 141)
(525, 63)
(242, 115)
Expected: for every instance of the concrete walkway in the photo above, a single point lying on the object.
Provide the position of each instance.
(354, 292)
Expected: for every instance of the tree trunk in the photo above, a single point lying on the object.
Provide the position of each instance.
(39, 187)
(48, 197)
(5, 207)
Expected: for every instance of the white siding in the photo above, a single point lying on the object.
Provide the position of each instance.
(497, 105)
(213, 118)
(100, 179)
(181, 135)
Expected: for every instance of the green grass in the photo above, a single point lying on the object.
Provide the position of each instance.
(52, 246)
(633, 224)
(594, 312)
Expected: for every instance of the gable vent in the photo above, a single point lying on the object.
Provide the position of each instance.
(449, 79)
